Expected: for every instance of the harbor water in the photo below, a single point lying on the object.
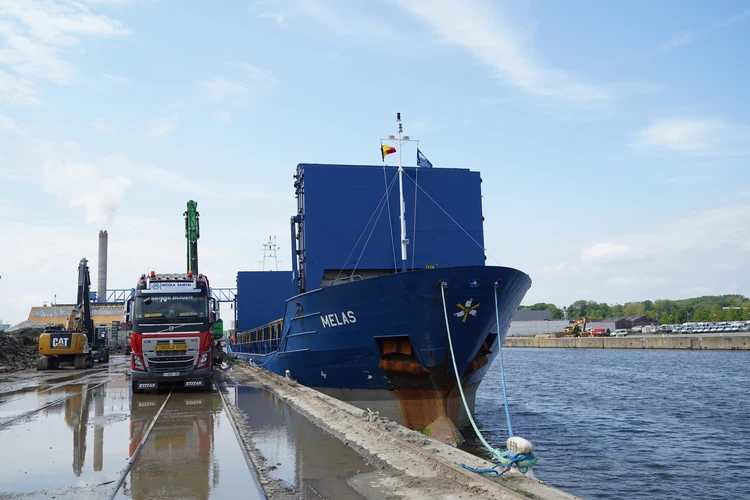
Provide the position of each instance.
(623, 424)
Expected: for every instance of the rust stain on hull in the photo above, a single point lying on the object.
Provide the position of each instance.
(425, 394)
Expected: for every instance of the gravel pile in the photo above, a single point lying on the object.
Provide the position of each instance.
(18, 346)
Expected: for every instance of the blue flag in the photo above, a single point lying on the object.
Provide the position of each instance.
(422, 160)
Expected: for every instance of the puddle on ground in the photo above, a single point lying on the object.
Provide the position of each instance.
(26, 400)
(81, 442)
(13, 395)
(301, 454)
(192, 452)
(73, 376)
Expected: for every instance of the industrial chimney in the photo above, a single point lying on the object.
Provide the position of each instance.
(101, 283)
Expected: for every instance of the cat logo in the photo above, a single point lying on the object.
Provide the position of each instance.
(60, 342)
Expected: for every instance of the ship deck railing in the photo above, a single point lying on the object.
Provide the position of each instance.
(257, 346)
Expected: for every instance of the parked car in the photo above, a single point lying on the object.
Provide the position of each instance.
(620, 332)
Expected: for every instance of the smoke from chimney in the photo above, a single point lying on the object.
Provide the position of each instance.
(101, 282)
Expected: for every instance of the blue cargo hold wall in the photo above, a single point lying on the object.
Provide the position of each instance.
(346, 220)
(261, 296)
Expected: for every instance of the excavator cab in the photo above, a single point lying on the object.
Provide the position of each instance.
(577, 329)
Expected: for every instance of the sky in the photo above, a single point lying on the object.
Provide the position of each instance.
(613, 138)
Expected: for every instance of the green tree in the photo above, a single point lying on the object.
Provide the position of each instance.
(556, 311)
(648, 306)
(701, 315)
(717, 313)
(681, 316)
(634, 309)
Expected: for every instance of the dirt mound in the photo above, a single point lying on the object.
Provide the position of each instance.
(16, 353)
(25, 327)
(18, 346)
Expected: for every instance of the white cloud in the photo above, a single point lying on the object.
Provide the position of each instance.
(609, 252)
(81, 185)
(695, 291)
(556, 269)
(8, 206)
(259, 75)
(278, 17)
(102, 127)
(679, 40)
(220, 88)
(337, 18)
(629, 281)
(688, 37)
(222, 116)
(695, 136)
(118, 79)
(36, 33)
(55, 22)
(162, 126)
(484, 33)
(8, 125)
(17, 91)
(153, 175)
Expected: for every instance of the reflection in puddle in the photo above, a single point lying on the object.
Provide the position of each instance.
(52, 449)
(190, 453)
(301, 454)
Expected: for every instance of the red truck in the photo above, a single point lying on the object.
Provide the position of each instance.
(598, 332)
(174, 323)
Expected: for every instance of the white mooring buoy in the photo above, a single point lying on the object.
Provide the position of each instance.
(519, 446)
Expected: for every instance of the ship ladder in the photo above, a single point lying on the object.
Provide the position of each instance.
(520, 452)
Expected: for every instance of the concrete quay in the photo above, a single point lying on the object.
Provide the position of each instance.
(85, 435)
(716, 342)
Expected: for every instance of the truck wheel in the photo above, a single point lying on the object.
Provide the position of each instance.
(79, 363)
(42, 363)
(135, 388)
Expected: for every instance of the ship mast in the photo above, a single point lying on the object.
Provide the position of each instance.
(400, 140)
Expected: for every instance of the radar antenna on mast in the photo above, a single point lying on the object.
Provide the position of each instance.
(269, 252)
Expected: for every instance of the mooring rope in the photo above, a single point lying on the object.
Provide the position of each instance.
(506, 459)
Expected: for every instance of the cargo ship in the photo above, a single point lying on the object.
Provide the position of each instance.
(355, 321)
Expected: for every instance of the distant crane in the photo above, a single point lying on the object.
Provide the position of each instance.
(192, 233)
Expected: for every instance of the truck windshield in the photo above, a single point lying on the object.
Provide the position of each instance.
(173, 307)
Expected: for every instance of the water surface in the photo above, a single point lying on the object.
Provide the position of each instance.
(627, 424)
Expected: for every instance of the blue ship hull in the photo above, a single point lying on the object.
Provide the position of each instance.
(382, 343)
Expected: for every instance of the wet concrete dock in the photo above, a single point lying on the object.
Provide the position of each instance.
(82, 440)
(83, 434)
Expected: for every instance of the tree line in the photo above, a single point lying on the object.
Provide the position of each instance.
(713, 308)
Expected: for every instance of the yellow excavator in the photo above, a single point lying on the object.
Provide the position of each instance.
(79, 343)
(577, 329)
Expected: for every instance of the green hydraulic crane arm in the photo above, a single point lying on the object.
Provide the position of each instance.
(192, 233)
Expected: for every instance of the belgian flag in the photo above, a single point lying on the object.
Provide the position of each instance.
(386, 150)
